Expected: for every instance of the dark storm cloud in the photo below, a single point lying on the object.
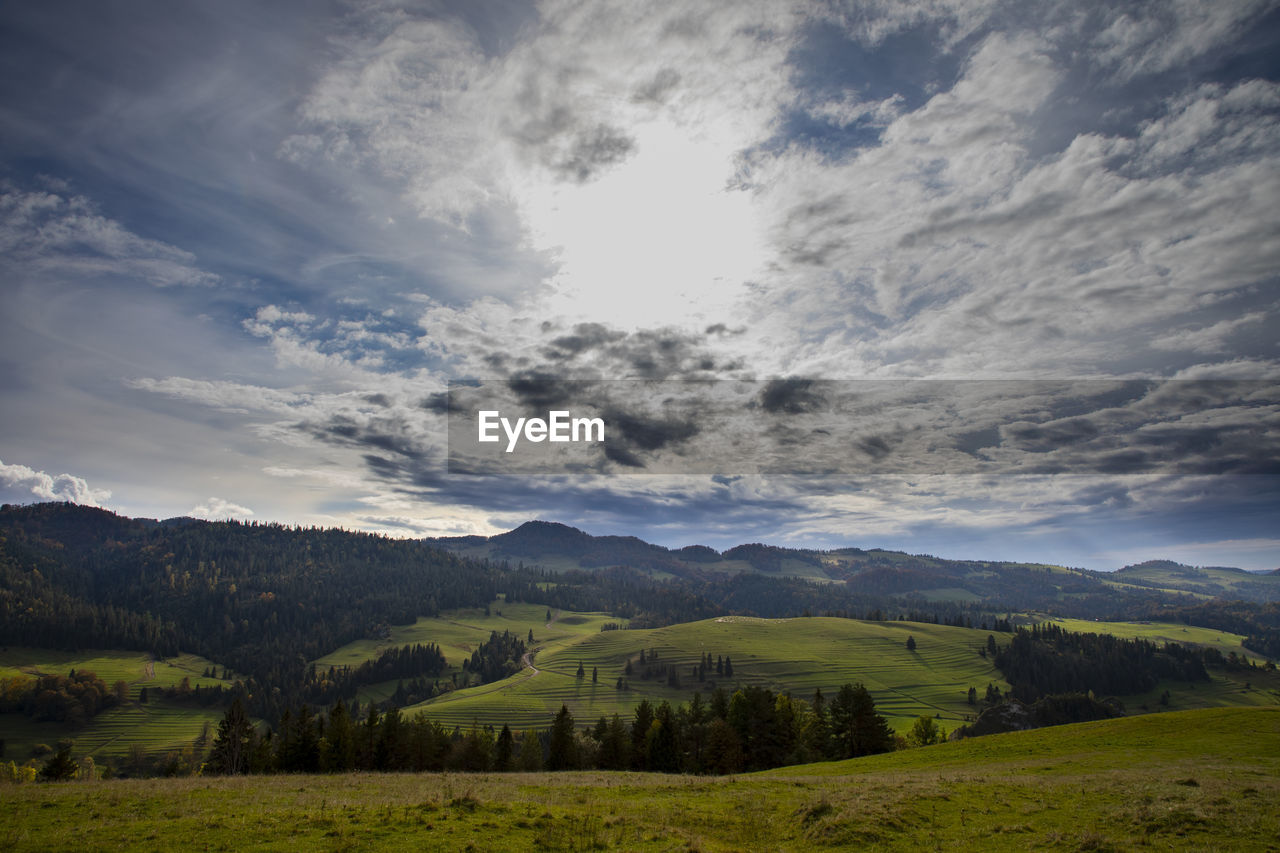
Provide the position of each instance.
(585, 337)
(566, 140)
(436, 403)
(592, 152)
(538, 391)
(1040, 439)
(649, 433)
(790, 396)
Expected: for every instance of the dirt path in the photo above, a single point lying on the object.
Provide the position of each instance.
(527, 657)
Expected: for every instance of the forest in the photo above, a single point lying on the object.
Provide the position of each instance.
(750, 729)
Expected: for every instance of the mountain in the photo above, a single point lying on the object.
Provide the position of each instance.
(875, 572)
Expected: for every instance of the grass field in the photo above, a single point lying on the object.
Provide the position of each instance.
(460, 632)
(1158, 632)
(782, 654)
(137, 669)
(157, 726)
(1197, 780)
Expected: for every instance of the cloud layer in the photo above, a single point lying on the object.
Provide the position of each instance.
(247, 252)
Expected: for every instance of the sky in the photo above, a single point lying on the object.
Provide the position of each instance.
(245, 248)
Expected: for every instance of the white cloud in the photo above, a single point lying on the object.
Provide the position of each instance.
(1208, 339)
(1157, 36)
(50, 487)
(45, 232)
(217, 509)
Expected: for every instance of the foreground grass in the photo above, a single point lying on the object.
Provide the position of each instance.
(1196, 780)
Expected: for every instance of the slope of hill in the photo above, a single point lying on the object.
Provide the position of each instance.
(1216, 581)
(1196, 780)
(796, 655)
(799, 655)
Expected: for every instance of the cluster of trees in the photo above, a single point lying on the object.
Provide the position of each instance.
(497, 657)
(752, 729)
(1045, 659)
(1054, 710)
(649, 668)
(73, 698)
(414, 663)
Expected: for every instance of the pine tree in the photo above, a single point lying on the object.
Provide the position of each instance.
(504, 750)
(855, 726)
(233, 742)
(661, 741)
(562, 751)
(639, 732)
(339, 753)
(530, 760)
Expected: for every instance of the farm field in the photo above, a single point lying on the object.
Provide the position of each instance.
(1192, 780)
(799, 655)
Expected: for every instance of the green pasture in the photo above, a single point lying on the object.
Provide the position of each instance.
(137, 669)
(799, 655)
(1157, 632)
(1197, 780)
(156, 727)
(460, 632)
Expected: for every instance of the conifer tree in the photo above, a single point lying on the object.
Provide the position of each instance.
(233, 742)
(562, 751)
(504, 749)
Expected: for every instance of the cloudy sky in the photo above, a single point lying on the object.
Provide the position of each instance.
(245, 248)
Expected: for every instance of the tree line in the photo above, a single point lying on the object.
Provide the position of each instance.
(750, 729)
(1045, 659)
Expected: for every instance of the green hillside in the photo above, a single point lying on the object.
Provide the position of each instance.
(1199, 780)
(1218, 581)
(1157, 632)
(799, 655)
(157, 726)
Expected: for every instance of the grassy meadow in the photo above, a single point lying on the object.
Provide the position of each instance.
(799, 655)
(1157, 632)
(1194, 780)
(157, 726)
